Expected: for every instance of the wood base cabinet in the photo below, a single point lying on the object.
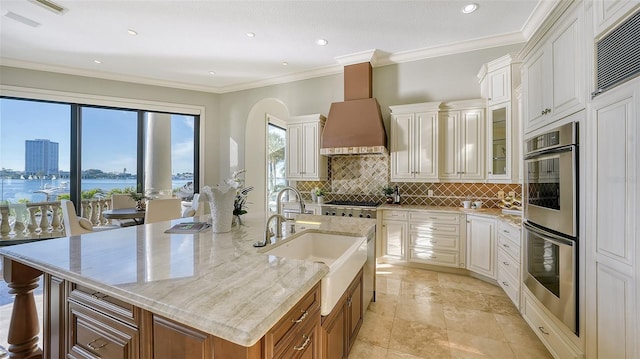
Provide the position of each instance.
(340, 328)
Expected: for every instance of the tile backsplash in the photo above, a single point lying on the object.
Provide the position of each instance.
(361, 178)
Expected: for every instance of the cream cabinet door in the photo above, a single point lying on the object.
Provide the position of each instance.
(449, 138)
(394, 238)
(401, 147)
(499, 86)
(613, 230)
(534, 106)
(295, 151)
(311, 150)
(481, 245)
(426, 147)
(471, 144)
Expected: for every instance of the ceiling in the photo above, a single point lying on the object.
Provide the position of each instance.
(179, 42)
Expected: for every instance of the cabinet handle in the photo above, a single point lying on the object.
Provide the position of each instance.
(432, 256)
(99, 295)
(100, 345)
(304, 315)
(432, 241)
(489, 99)
(349, 302)
(505, 231)
(505, 283)
(542, 330)
(304, 345)
(506, 263)
(505, 245)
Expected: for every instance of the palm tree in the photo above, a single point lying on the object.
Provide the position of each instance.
(276, 156)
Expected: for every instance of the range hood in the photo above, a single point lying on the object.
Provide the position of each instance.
(355, 126)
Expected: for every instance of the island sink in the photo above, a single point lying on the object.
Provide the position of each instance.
(344, 255)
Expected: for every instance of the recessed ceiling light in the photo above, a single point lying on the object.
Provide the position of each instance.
(212, 73)
(251, 34)
(468, 9)
(322, 42)
(132, 32)
(97, 61)
(284, 63)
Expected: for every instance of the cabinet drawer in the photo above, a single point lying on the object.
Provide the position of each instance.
(507, 263)
(435, 228)
(510, 285)
(429, 256)
(435, 217)
(509, 231)
(547, 333)
(394, 215)
(93, 335)
(306, 310)
(304, 343)
(104, 304)
(435, 242)
(508, 246)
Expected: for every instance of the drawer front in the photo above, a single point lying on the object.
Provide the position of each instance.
(93, 335)
(508, 246)
(305, 311)
(304, 343)
(510, 286)
(394, 215)
(424, 255)
(435, 241)
(548, 334)
(435, 217)
(506, 263)
(105, 304)
(435, 228)
(509, 231)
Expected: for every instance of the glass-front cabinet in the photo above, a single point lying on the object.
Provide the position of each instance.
(499, 142)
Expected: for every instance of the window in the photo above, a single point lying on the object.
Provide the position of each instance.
(276, 170)
(53, 150)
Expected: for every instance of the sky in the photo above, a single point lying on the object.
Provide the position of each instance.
(109, 136)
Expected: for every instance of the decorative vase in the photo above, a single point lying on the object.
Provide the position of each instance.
(237, 221)
(141, 205)
(221, 204)
(320, 199)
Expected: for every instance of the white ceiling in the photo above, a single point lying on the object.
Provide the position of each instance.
(180, 41)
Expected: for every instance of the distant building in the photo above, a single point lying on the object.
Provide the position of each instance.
(40, 157)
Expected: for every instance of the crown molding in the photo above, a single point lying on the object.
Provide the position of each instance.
(359, 57)
(304, 75)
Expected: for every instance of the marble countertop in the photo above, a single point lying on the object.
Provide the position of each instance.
(511, 219)
(215, 282)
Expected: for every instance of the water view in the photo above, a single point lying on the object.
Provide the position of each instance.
(36, 190)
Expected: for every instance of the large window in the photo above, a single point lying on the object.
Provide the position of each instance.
(276, 171)
(59, 150)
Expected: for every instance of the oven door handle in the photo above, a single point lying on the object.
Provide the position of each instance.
(547, 151)
(548, 236)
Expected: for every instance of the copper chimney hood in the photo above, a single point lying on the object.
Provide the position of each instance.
(355, 126)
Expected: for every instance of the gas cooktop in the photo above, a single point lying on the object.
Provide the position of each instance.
(353, 203)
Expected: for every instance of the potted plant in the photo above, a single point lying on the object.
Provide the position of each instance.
(388, 191)
(139, 198)
(320, 195)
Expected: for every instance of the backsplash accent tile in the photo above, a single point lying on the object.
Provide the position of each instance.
(361, 178)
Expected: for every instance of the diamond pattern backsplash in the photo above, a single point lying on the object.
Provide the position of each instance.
(361, 178)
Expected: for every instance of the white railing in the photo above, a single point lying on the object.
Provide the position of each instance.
(42, 220)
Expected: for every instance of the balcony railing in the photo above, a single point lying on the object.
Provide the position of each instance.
(43, 220)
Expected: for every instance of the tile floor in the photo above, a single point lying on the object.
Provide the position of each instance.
(426, 314)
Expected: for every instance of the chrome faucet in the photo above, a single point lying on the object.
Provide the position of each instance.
(279, 201)
(267, 231)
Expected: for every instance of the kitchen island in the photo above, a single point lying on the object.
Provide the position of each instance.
(212, 284)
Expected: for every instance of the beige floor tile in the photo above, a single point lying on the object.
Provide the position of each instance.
(390, 271)
(364, 350)
(473, 322)
(419, 339)
(423, 292)
(463, 299)
(422, 312)
(388, 285)
(457, 281)
(517, 331)
(392, 354)
(465, 345)
(528, 352)
(376, 329)
(420, 275)
(385, 305)
(500, 304)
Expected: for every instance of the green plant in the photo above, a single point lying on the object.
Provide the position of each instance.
(137, 196)
(319, 192)
(388, 190)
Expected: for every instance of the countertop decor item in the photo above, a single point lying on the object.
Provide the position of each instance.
(221, 198)
(140, 200)
(240, 201)
(388, 192)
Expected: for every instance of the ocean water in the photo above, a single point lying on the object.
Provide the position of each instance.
(13, 190)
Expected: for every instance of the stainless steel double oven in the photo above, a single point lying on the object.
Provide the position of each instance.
(551, 221)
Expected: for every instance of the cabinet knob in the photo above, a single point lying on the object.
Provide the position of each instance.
(505, 284)
(541, 329)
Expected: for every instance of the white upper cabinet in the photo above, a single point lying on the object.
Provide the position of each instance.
(304, 161)
(554, 73)
(607, 13)
(499, 80)
(462, 127)
(414, 142)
